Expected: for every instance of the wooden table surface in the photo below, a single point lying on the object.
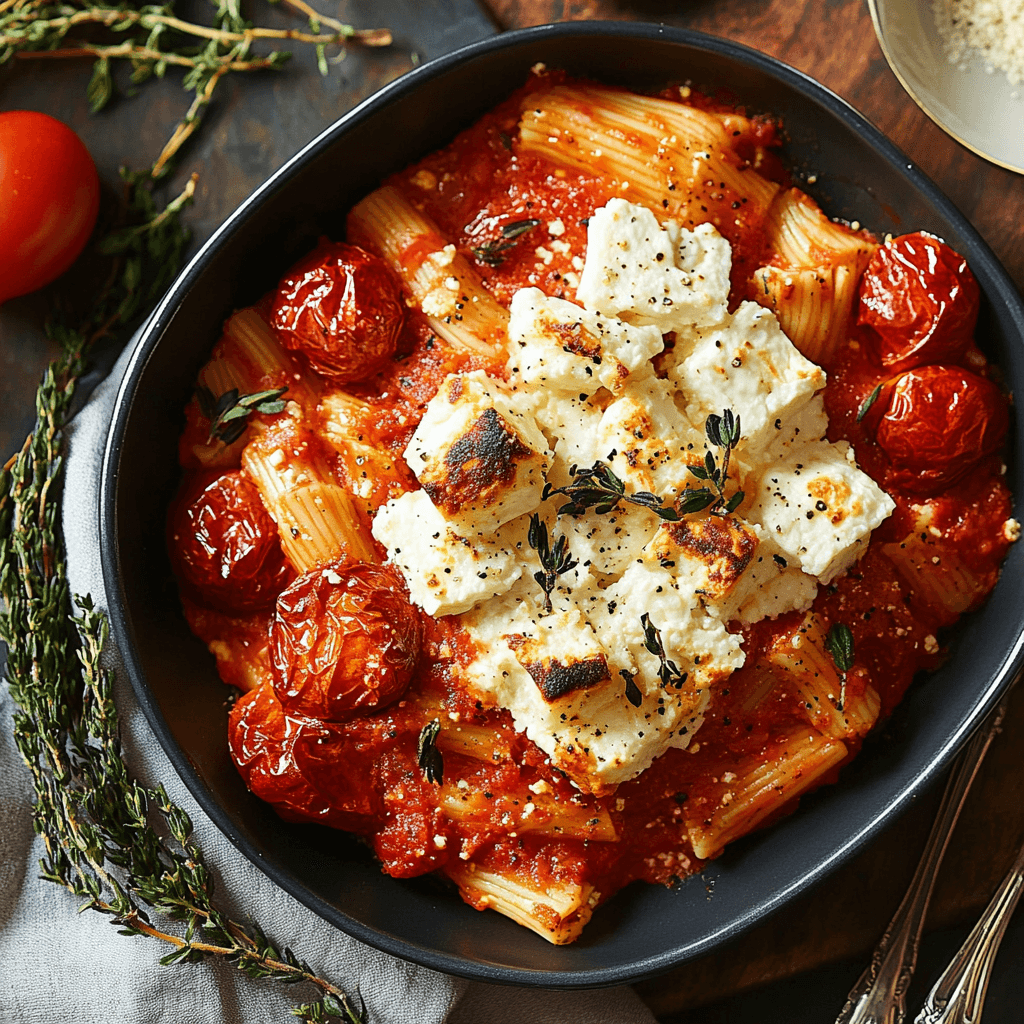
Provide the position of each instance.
(833, 42)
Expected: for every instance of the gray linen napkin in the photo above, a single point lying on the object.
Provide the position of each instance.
(56, 965)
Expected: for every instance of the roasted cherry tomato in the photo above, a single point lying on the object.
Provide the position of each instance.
(922, 299)
(227, 547)
(941, 422)
(49, 198)
(342, 307)
(298, 765)
(345, 639)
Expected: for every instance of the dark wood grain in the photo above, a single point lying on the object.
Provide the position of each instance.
(834, 42)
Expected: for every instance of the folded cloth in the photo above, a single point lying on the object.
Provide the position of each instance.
(59, 965)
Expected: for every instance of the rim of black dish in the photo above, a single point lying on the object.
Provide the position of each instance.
(981, 258)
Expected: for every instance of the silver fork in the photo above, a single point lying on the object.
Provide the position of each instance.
(959, 994)
(879, 996)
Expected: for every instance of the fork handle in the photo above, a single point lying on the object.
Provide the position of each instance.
(959, 994)
(879, 996)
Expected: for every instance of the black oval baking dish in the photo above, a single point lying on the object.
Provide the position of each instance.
(859, 175)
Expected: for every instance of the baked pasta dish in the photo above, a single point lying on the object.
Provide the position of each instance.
(587, 504)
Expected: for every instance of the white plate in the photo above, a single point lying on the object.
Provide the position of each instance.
(980, 109)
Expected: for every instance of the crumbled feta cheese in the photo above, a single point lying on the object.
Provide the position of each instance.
(481, 461)
(558, 344)
(647, 440)
(819, 507)
(446, 573)
(648, 273)
(748, 365)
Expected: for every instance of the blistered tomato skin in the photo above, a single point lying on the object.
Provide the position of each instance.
(922, 300)
(342, 308)
(345, 640)
(227, 547)
(941, 422)
(297, 764)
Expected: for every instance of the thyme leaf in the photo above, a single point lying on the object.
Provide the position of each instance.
(839, 643)
(599, 488)
(428, 757)
(723, 432)
(229, 414)
(496, 251)
(554, 560)
(633, 694)
(97, 823)
(669, 673)
(868, 402)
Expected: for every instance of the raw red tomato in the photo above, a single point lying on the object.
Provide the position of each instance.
(342, 307)
(345, 639)
(922, 299)
(298, 764)
(49, 199)
(227, 547)
(941, 422)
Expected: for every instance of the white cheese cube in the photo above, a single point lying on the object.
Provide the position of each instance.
(819, 507)
(770, 586)
(446, 574)
(696, 642)
(735, 567)
(706, 554)
(557, 344)
(647, 441)
(747, 365)
(609, 544)
(563, 688)
(481, 461)
(808, 423)
(646, 273)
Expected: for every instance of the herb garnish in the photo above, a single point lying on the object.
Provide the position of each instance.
(124, 849)
(723, 432)
(152, 38)
(555, 560)
(633, 694)
(600, 487)
(839, 643)
(494, 252)
(428, 757)
(669, 673)
(229, 414)
(868, 402)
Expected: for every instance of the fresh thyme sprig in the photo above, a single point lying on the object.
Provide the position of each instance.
(554, 560)
(96, 822)
(599, 488)
(428, 757)
(839, 643)
(153, 38)
(495, 251)
(668, 672)
(229, 414)
(723, 432)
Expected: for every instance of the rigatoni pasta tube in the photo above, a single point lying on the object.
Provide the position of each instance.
(557, 913)
(439, 280)
(758, 787)
(811, 281)
(316, 517)
(838, 710)
(674, 158)
(369, 470)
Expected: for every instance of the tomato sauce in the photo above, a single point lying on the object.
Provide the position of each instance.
(369, 773)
